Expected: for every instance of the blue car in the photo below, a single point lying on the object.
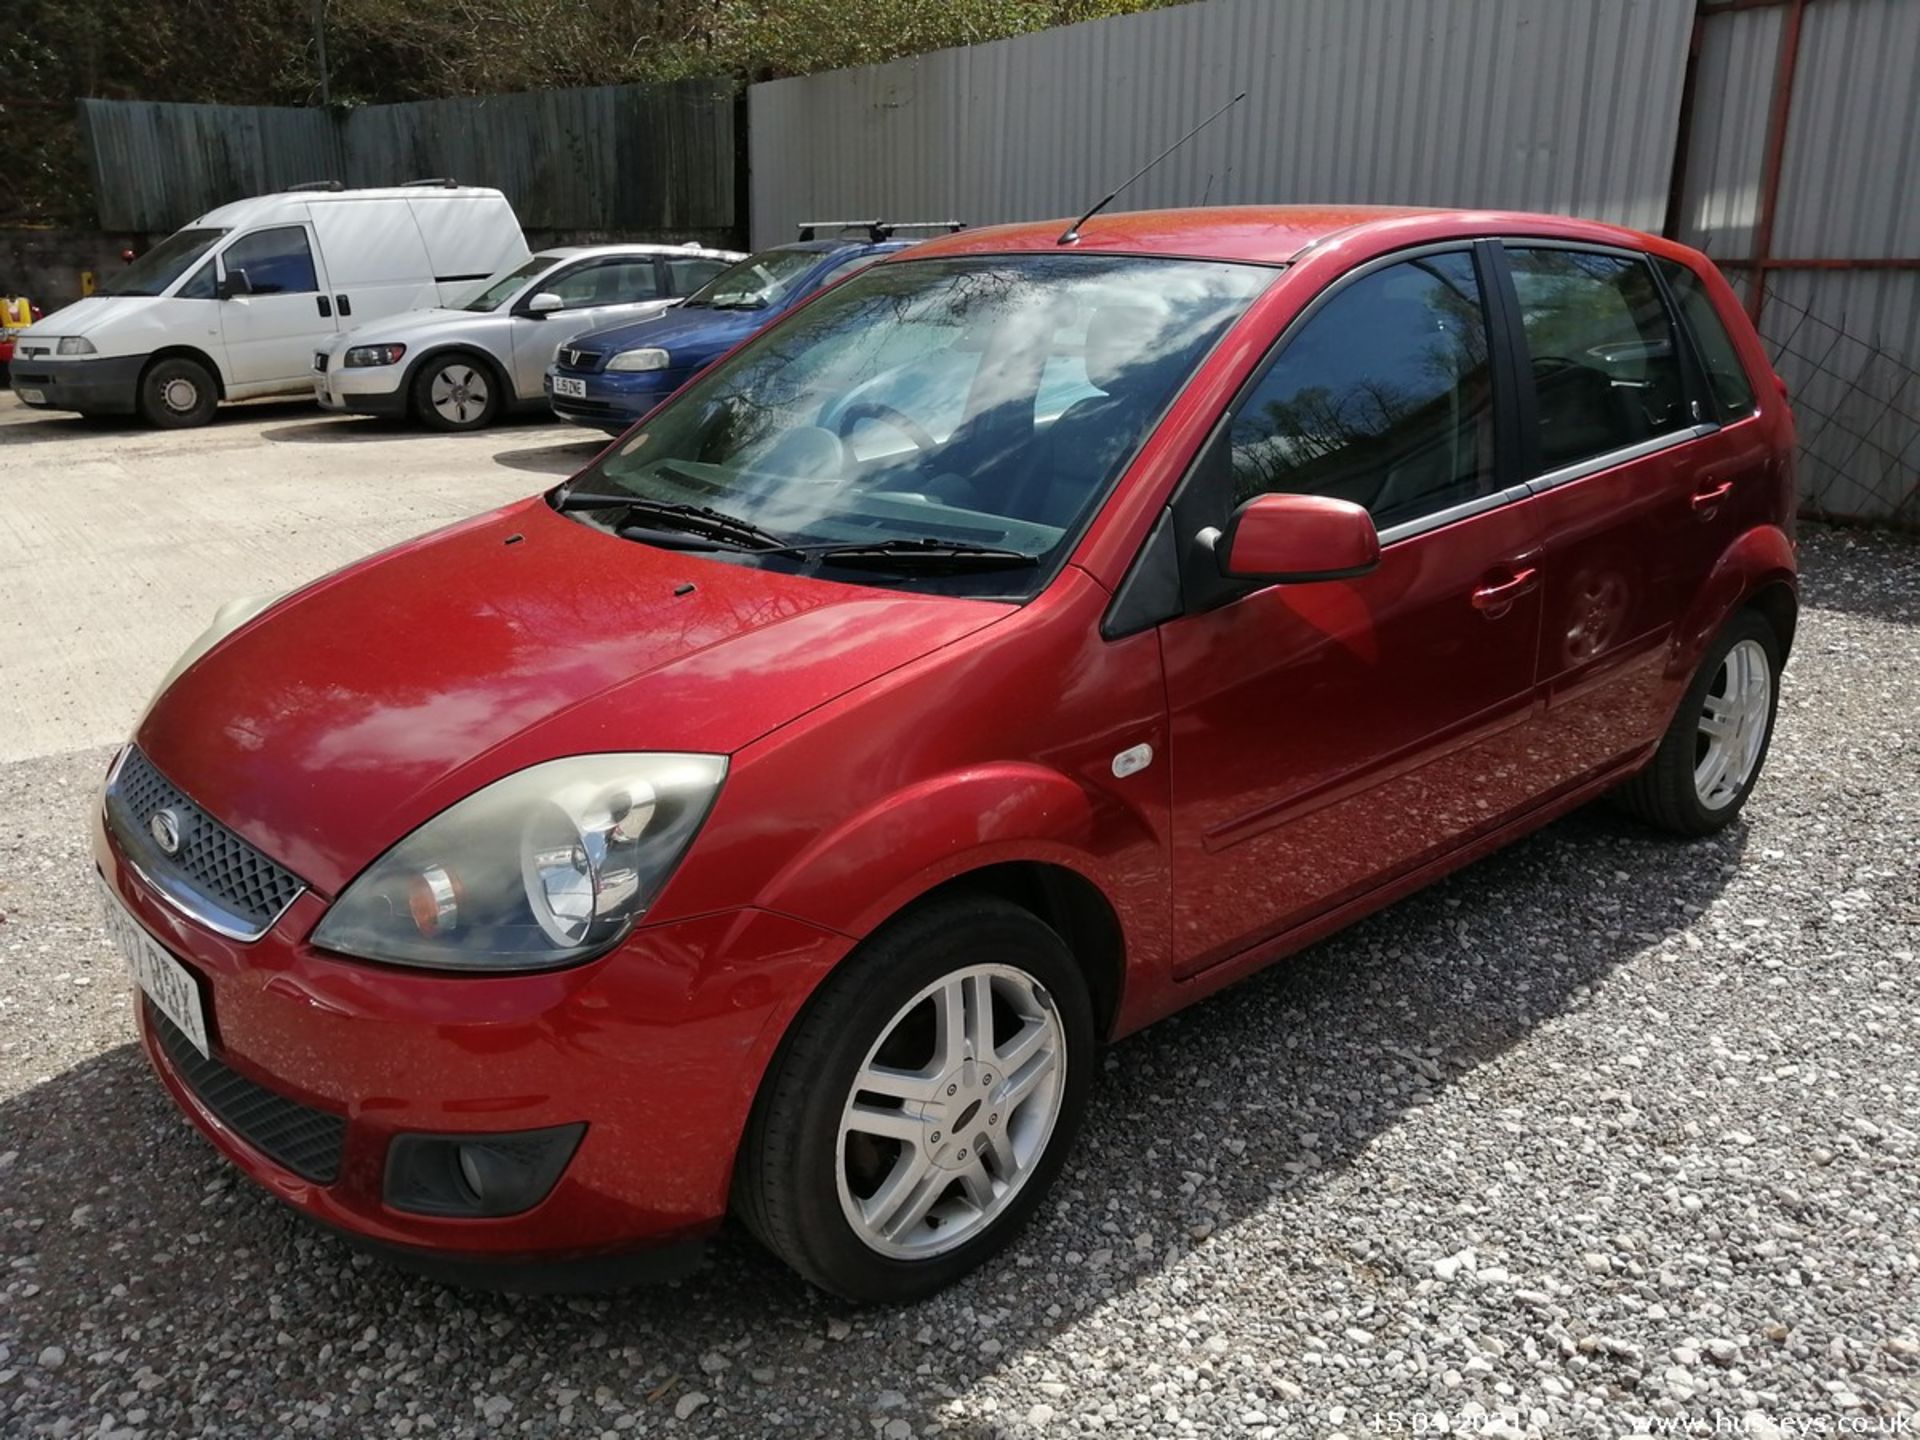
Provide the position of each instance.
(610, 378)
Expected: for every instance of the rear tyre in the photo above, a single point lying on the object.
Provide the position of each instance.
(457, 391)
(177, 393)
(923, 1103)
(1712, 753)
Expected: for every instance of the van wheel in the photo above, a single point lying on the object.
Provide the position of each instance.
(456, 392)
(923, 1103)
(1711, 756)
(177, 393)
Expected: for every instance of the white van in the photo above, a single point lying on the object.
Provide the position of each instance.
(234, 305)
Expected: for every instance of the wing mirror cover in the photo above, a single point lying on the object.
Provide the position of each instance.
(1298, 538)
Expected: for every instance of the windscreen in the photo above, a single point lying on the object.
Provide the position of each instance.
(757, 282)
(976, 401)
(156, 270)
(503, 287)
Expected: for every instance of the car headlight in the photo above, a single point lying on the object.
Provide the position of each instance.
(74, 345)
(361, 357)
(551, 865)
(639, 360)
(227, 619)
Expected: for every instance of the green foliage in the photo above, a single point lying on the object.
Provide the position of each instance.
(261, 52)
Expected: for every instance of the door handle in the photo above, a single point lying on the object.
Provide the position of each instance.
(346, 305)
(326, 306)
(1711, 495)
(1494, 596)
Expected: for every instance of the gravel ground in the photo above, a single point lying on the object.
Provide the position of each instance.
(1606, 1136)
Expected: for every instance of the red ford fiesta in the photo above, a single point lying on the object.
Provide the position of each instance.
(1021, 640)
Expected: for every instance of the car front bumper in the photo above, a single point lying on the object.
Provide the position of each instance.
(656, 1048)
(104, 385)
(614, 401)
(361, 389)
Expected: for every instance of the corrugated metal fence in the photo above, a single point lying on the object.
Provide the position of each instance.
(1802, 179)
(639, 159)
(1565, 107)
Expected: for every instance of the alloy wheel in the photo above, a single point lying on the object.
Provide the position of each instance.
(1733, 725)
(950, 1111)
(459, 393)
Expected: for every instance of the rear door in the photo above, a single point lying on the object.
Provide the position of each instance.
(1626, 481)
(687, 273)
(1326, 737)
(594, 294)
(272, 331)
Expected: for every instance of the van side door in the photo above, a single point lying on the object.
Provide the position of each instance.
(274, 308)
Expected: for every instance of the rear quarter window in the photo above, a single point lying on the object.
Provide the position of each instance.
(1727, 377)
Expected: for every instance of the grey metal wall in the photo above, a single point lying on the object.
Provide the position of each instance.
(1845, 336)
(633, 159)
(1566, 106)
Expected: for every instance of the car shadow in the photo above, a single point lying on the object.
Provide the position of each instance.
(21, 424)
(563, 459)
(1250, 1103)
(1859, 572)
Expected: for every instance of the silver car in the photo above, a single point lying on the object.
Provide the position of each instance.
(460, 369)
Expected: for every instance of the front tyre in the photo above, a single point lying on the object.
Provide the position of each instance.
(177, 393)
(457, 391)
(1711, 755)
(923, 1103)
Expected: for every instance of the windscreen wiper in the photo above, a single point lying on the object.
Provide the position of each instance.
(702, 520)
(923, 555)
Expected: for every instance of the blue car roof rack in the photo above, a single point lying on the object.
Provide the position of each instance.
(878, 231)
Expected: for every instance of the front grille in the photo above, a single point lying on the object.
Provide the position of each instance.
(294, 1136)
(574, 359)
(212, 873)
(31, 350)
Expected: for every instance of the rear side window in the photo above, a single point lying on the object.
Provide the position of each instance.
(277, 261)
(1725, 374)
(1383, 397)
(1601, 346)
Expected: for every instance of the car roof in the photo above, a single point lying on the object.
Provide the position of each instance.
(575, 252)
(241, 212)
(1273, 234)
(836, 243)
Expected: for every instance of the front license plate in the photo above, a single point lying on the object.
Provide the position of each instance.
(165, 981)
(564, 386)
(32, 397)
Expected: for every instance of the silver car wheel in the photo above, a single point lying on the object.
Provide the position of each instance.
(1733, 725)
(180, 395)
(950, 1112)
(459, 393)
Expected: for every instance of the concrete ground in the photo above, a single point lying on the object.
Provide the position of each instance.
(1606, 1136)
(117, 542)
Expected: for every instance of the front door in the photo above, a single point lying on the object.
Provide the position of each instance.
(594, 295)
(282, 316)
(1328, 736)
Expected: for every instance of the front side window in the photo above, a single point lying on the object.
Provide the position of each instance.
(1726, 376)
(154, 271)
(1383, 397)
(1600, 346)
(757, 283)
(277, 261)
(905, 408)
(608, 282)
(503, 287)
(201, 285)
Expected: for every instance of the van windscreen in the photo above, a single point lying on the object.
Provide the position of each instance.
(154, 271)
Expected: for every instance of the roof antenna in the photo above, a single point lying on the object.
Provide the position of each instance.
(1072, 233)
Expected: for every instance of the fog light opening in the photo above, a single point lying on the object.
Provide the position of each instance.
(478, 1176)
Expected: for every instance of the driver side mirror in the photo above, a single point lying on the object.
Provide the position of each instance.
(1297, 538)
(544, 303)
(235, 283)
